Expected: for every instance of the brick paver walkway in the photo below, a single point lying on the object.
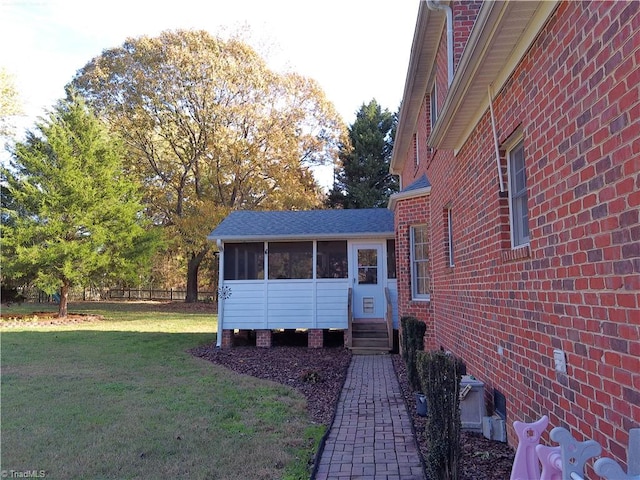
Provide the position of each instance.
(371, 436)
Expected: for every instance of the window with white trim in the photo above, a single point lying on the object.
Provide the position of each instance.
(518, 209)
(420, 288)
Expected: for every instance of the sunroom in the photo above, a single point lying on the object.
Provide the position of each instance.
(313, 271)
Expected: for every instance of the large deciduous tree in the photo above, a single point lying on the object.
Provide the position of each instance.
(74, 216)
(363, 179)
(10, 105)
(211, 129)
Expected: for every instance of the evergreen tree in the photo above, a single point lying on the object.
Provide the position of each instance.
(363, 180)
(73, 217)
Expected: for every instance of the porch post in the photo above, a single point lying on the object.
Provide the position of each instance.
(221, 297)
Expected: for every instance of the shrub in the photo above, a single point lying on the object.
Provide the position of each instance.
(440, 375)
(413, 331)
(311, 376)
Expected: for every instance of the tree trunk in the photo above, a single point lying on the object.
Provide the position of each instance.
(192, 276)
(64, 299)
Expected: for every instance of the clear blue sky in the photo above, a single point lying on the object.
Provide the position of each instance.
(356, 49)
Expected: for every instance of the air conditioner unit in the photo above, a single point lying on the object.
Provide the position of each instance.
(472, 407)
(494, 428)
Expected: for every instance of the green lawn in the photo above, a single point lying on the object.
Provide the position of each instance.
(122, 398)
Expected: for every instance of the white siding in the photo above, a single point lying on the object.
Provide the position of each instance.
(290, 304)
(244, 309)
(332, 303)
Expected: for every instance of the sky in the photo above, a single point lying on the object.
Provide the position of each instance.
(357, 50)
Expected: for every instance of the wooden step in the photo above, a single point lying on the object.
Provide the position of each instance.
(369, 351)
(369, 337)
(369, 334)
(369, 327)
(380, 321)
(368, 342)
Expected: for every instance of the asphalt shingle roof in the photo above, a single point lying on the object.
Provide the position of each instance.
(308, 224)
(422, 182)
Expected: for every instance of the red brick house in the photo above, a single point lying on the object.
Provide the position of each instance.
(517, 230)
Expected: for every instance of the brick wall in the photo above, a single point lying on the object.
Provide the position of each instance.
(407, 213)
(464, 16)
(263, 338)
(315, 338)
(227, 339)
(411, 171)
(576, 98)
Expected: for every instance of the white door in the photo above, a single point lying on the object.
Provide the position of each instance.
(367, 277)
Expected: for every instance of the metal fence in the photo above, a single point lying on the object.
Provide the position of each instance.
(97, 294)
(155, 294)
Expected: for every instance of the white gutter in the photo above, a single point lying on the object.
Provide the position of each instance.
(220, 292)
(300, 238)
(436, 5)
(416, 193)
(501, 35)
(495, 139)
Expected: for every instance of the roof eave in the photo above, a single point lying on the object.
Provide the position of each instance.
(417, 193)
(290, 238)
(482, 65)
(426, 38)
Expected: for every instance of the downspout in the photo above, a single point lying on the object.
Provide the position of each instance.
(220, 292)
(437, 5)
(495, 139)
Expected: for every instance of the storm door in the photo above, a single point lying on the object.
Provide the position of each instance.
(367, 279)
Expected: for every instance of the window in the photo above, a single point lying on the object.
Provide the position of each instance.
(449, 236)
(391, 259)
(433, 106)
(416, 159)
(331, 261)
(367, 266)
(518, 196)
(290, 260)
(244, 261)
(419, 262)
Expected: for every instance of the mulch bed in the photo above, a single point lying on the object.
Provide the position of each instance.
(319, 375)
(316, 373)
(182, 307)
(43, 319)
(482, 459)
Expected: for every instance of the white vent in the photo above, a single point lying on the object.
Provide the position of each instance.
(368, 305)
